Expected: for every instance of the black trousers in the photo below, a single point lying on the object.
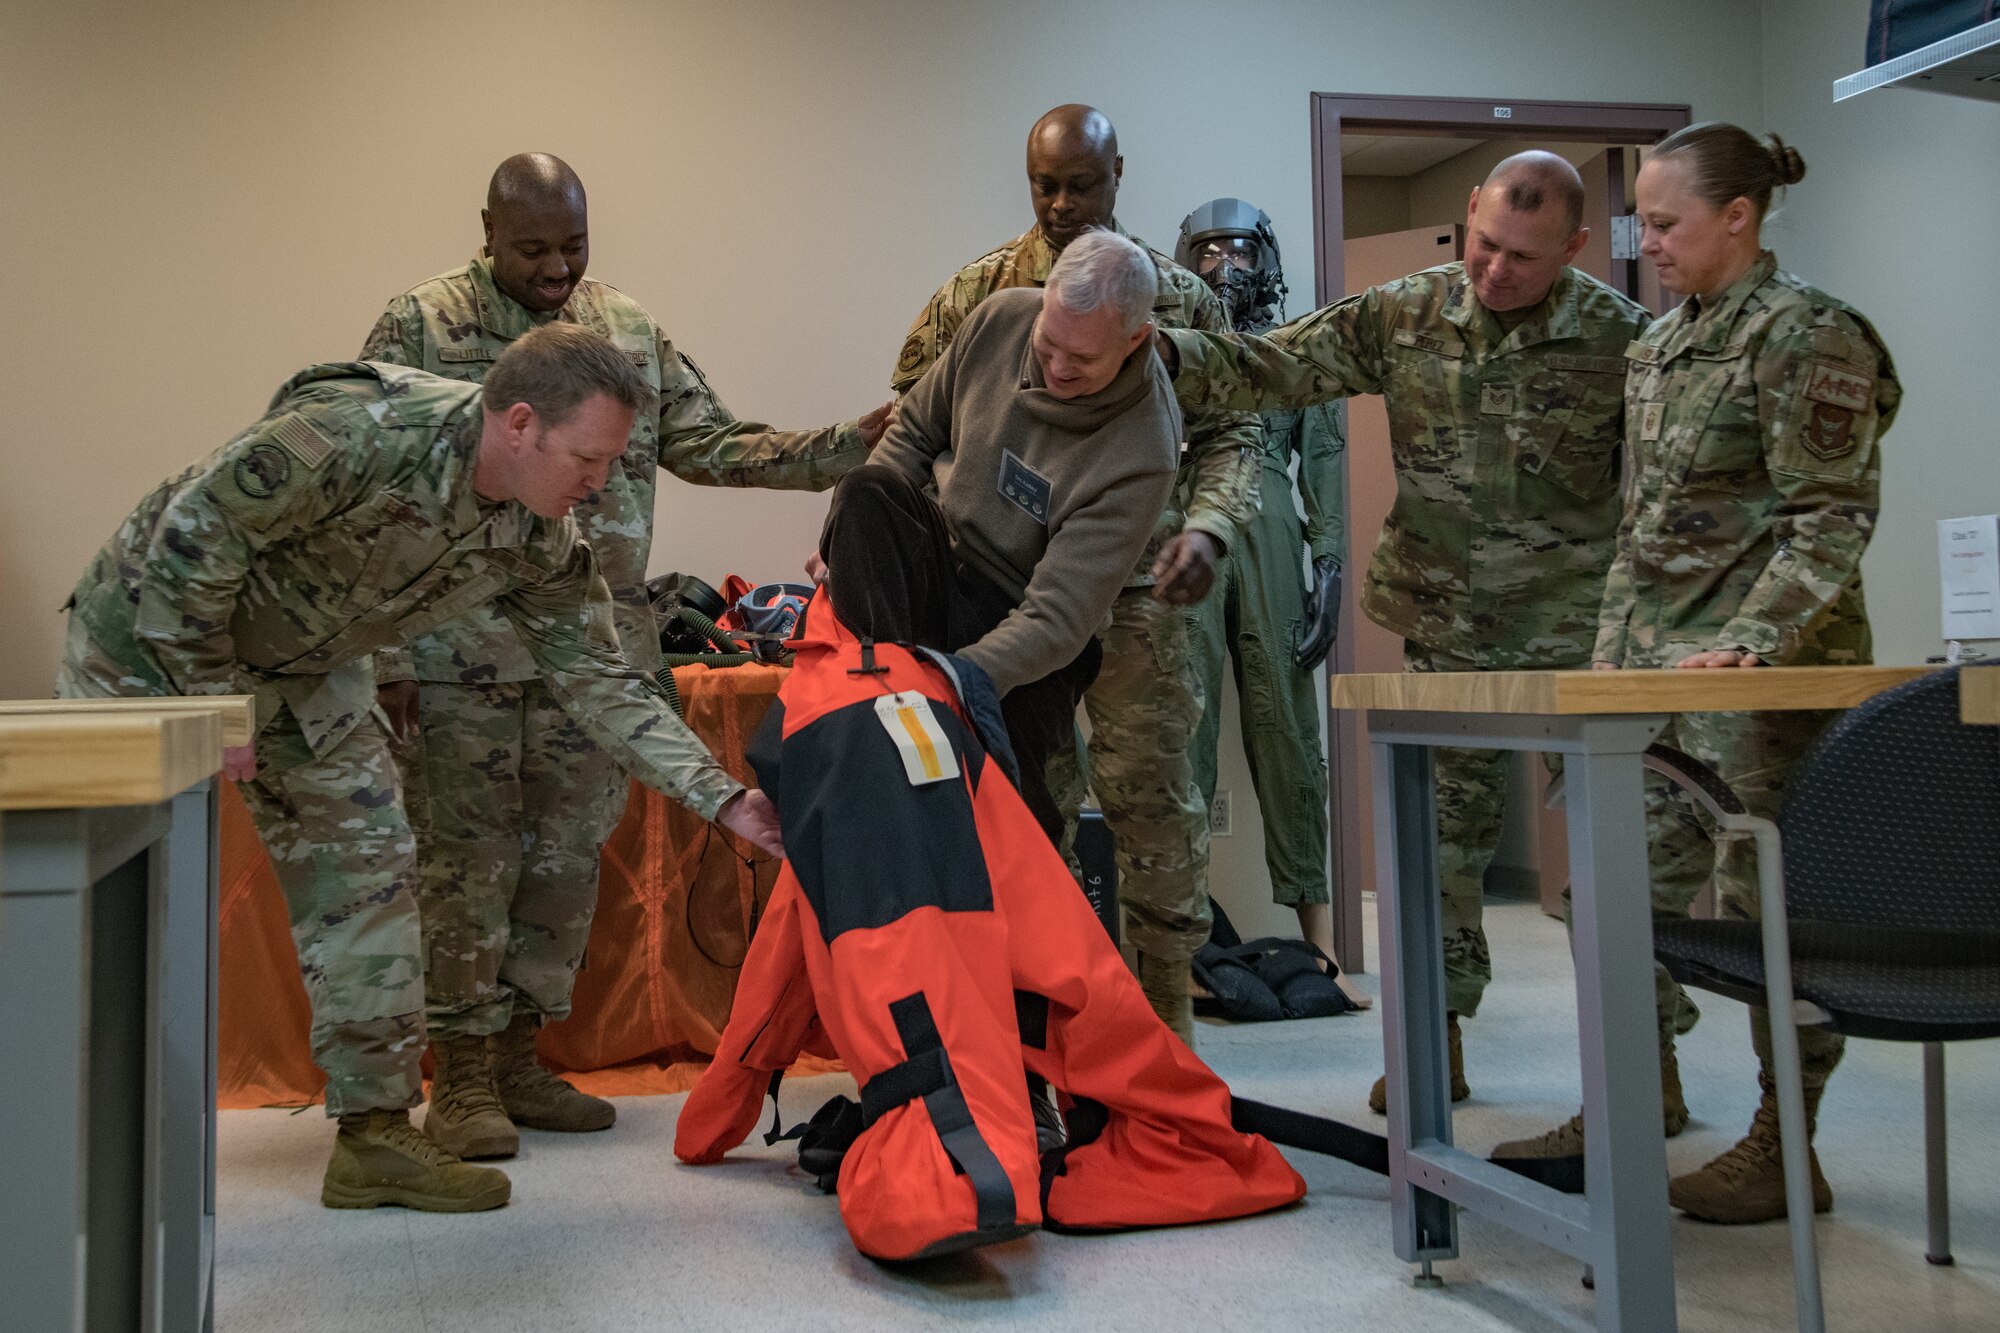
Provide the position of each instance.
(893, 578)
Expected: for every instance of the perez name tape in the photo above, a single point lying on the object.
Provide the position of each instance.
(926, 752)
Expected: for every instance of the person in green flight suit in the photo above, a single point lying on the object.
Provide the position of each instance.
(1261, 615)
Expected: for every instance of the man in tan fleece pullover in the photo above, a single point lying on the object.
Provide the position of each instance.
(1050, 435)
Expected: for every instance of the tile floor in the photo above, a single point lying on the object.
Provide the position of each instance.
(607, 1231)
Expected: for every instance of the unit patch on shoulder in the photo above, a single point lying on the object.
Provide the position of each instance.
(1829, 431)
(1836, 386)
(262, 471)
(302, 439)
(925, 749)
(1028, 489)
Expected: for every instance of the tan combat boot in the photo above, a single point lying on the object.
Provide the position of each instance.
(466, 1118)
(1566, 1139)
(534, 1097)
(1378, 1096)
(380, 1158)
(1747, 1183)
(1166, 982)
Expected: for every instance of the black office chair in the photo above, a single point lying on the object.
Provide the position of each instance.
(1886, 860)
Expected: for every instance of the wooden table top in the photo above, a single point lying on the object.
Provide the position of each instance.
(1570, 692)
(1979, 694)
(238, 711)
(63, 759)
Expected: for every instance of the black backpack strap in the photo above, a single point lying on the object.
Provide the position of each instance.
(1296, 1129)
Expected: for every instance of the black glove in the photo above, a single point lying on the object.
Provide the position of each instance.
(1322, 615)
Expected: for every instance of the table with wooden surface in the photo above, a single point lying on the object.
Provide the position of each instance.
(1601, 722)
(107, 983)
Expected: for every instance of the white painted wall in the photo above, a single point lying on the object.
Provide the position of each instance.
(1896, 216)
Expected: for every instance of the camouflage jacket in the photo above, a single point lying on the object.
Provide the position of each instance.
(1754, 425)
(1506, 448)
(458, 323)
(1220, 472)
(342, 523)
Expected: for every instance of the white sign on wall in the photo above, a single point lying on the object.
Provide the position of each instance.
(1969, 571)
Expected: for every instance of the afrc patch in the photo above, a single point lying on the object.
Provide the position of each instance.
(1025, 487)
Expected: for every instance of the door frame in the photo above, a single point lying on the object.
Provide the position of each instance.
(1637, 123)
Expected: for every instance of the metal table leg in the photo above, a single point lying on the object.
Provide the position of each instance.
(1417, 1063)
(187, 1063)
(1625, 1155)
(1621, 1228)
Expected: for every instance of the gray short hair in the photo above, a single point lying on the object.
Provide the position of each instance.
(557, 367)
(1102, 268)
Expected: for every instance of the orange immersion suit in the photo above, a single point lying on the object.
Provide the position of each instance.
(923, 922)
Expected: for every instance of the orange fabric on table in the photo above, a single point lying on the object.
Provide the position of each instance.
(677, 899)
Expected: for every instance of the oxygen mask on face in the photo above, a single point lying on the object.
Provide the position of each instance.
(1232, 266)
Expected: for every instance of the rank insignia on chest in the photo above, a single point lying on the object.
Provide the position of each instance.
(1026, 488)
(925, 750)
(1496, 400)
(1651, 417)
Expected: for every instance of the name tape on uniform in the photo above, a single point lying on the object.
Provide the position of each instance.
(926, 751)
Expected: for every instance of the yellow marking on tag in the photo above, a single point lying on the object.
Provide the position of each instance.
(921, 743)
(926, 752)
(1651, 418)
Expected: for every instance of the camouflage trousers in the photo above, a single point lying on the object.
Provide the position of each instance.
(1143, 709)
(340, 844)
(1471, 787)
(1255, 615)
(511, 804)
(1756, 754)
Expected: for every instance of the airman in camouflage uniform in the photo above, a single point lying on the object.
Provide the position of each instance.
(511, 802)
(1146, 702)
(342, 523)
(1753, 414)
(1502, 379)
(1754, 423)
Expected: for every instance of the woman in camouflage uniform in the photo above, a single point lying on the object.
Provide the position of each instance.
(1753, 415)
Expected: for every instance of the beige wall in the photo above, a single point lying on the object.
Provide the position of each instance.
(204, 197)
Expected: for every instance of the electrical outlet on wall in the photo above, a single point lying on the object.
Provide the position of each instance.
(1218, 815)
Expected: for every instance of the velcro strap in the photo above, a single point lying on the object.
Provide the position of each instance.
(951, 1117)
(919, 1076)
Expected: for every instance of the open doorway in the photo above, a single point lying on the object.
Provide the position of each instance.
(1391, 176)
